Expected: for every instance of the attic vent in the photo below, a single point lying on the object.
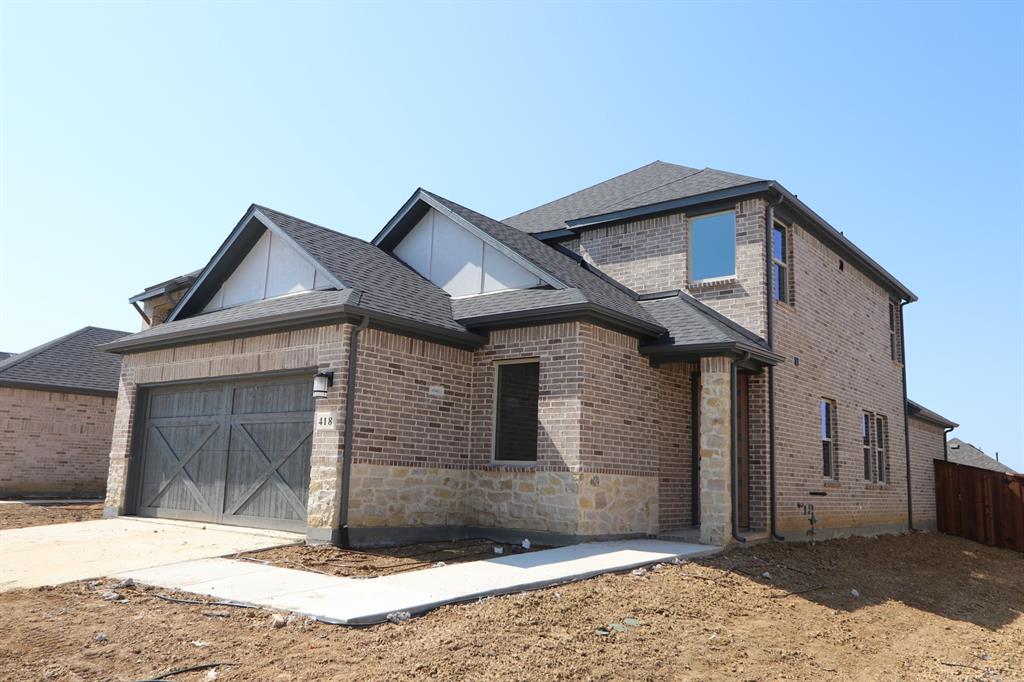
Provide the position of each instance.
(955, 446)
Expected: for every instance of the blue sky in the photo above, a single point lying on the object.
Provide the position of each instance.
(134, 137)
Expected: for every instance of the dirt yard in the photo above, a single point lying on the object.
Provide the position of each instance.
(926, 607)
(377, 562)
(22, 515)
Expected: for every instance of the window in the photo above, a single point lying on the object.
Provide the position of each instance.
(828, 438)
(780, 259)
(865, 434)
(894, 349)
(881, 441)
(712, 246)
(515, 427)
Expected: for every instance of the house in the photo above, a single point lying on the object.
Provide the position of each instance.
(57, 404)
(671, 349)
(928, 431)
(960, 452)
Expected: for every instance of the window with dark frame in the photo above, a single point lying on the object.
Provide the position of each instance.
(780, 263)
(893, 348)
(881, 442)
(865, 434)
(517, 397)
(828, 441)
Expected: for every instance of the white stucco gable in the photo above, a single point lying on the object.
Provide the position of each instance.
(457, 260)
(272, 268)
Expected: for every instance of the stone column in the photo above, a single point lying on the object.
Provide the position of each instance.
(323, 506)
(121, 442)
(715, 450)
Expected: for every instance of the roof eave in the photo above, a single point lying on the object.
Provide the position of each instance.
(297, 319)
(695, 351)
(571, 311)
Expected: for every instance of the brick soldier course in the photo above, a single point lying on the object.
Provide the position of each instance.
(641, 426)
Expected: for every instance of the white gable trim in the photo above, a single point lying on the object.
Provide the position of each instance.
(202, 281)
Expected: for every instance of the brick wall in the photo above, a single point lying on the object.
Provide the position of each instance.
(54, 444)
(674, 411)
(927, 444)
(835, 340)
(650, 254)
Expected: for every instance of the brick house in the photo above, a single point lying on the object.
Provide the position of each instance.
(928, 432)
(57, 415)
(669, 351)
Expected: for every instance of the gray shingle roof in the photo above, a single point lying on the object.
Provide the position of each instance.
(70, 363)
(651, 184)
(690, 322)
(386, 284)
(965, 453)
(921, 412)
(4, 355)
(591, 287)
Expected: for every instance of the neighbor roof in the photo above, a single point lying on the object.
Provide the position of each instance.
(960, 452)
(654, 183)
(921, 412)
(4, 355)
(70, 364)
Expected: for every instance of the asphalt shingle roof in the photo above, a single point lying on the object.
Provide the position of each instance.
(70, 363)
(690, 322)
(386, 284)
(651, 184)
(965, 453)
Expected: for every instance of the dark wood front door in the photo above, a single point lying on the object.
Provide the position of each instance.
(742, 450)
(228, 452)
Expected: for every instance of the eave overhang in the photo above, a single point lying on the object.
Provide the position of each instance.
(55, 388)
(736, 350)
(576, 311)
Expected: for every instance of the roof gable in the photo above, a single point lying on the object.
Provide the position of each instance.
(70, 363)
(233, 276)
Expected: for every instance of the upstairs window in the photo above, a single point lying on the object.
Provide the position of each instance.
(881, 448)
(828, 438)
(515, 428)
(780, 263)
(713, 246)
(865, 434)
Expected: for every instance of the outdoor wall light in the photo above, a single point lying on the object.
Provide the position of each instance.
(322, 382)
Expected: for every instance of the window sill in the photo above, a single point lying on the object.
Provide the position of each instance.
(714, 283)
(831, 483)
(511, 464)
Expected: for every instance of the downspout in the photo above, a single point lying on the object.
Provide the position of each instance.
(906, 417)
(350, 413)
(734, 447)
(945, 443)
(769, 221)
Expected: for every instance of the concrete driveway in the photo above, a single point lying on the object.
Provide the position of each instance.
(49, 555)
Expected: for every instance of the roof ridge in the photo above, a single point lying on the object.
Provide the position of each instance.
(587, 189)
(647, 190)
(303, 220)
(32, 352)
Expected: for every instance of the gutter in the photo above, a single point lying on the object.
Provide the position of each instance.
(667, 353)
(945, 443)
(769, 221)
(571, 311)
(350, 413)
(906, 417)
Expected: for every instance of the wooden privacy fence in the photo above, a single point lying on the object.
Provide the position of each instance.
(980, 505)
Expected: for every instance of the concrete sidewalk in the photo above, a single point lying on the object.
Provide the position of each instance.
(355, 601)
(60, 553)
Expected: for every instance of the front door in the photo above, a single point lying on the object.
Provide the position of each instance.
(742, 450)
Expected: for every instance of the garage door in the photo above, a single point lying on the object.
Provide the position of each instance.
(235, 453)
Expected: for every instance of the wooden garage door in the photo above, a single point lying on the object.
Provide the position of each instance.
(235, 453)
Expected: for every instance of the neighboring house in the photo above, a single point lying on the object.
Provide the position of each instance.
(57, 404)
(928, 431)
(670, 349)
(960, 452)
(4, 356)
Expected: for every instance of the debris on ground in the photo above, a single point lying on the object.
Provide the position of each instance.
(101, 637)
(638, 572)
(855, 594)
(278, 621)
(398, 617)
(498, 549)
(526, 543)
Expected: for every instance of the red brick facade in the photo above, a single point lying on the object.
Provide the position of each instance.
(54, 444)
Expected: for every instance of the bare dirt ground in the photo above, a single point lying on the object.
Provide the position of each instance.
(22, 515)
(929, 607)
(372, 563)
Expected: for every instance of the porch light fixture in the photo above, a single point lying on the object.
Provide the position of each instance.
(322, 382)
